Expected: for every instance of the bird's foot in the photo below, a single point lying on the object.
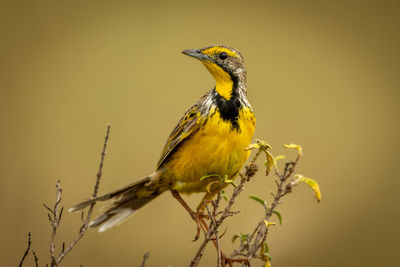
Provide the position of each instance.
(199, 217)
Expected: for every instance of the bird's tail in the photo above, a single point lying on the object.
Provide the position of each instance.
(124, 201)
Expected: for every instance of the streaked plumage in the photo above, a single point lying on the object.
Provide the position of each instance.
(209, 139)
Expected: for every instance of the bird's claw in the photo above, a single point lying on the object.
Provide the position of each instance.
(198, 217)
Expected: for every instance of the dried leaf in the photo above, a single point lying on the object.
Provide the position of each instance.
(252, 146)
(270, 162)
(267, 223)
(259, 144)
(311, 183)
(264, 253)
(279, 158)
(299, 149)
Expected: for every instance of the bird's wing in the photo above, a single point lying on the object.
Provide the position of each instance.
(188, 125)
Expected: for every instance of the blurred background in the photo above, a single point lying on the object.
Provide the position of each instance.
(323, 74)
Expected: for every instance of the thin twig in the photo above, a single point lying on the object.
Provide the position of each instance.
(55, 221)
(26, 251)
(35, 258)
(250, 171)
(260, 233)
(212, 218)
(196, 259)
(85, 226)
(145, 257)
(56, 215)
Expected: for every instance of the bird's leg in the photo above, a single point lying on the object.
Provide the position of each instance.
(178, 197)
(202, 224)
(196, 216)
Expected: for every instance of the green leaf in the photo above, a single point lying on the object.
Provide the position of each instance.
(266, 248)
(235, 237)
(223, 195)
(243, 238)
(210, 175)
(259, 200)
(222, 179)
(279, 216)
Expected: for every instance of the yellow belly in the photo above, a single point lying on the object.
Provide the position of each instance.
(216, 148)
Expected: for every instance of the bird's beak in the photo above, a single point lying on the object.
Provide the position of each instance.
(196, 53)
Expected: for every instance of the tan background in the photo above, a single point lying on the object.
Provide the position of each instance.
(323, 74)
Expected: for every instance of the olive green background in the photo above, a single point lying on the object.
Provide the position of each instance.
(323, 74)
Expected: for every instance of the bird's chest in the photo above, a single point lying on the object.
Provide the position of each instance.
(216, 148)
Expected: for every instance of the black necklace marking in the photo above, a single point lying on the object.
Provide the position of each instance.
(229, 109)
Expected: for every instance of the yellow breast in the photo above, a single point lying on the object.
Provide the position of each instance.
(216, 148)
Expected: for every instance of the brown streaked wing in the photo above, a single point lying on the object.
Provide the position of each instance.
(185, 128)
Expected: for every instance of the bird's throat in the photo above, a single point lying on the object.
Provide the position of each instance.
(224, 88)
(224, 83)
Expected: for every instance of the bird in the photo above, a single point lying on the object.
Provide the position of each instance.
(208, 143)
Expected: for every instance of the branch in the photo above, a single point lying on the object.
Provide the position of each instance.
(55, 222)
(35, 258)
(250, 170)
(26, 251)
(283, 188)
(85, 226)
(55, 215)
(214, 223)
(254, 243)
(145, 257)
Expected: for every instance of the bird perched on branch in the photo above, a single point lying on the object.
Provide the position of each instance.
(207, 144)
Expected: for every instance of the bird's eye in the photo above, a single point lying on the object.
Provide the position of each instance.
(223, 55)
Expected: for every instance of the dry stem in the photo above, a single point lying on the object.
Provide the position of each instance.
(145, 257)
(259, 234)
(85, 226)
(27, 250)
(55, 215)
(254, 242)
(250, 171)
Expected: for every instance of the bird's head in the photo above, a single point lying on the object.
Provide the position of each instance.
(225, 64)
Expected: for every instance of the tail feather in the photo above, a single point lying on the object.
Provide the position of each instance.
(110, 219)
(82, 205)
(121, 209)
(110, 195)
(125, 202)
